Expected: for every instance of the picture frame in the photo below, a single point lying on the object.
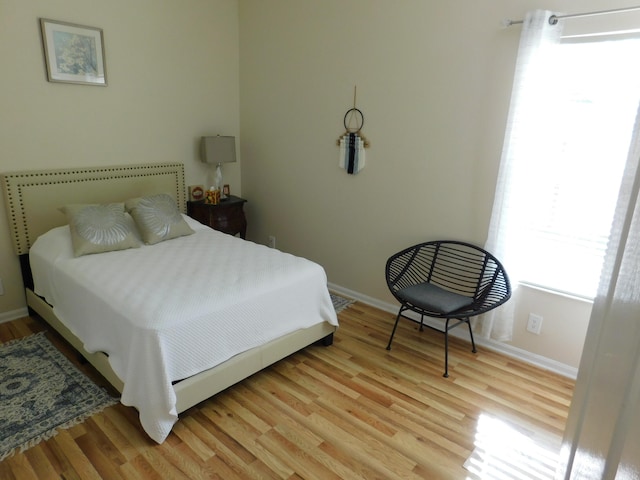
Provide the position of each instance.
(196, 193)
(73, 53)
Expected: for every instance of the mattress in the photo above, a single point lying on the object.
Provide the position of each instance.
(165, 312)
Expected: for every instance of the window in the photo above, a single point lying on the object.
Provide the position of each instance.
(567, 191)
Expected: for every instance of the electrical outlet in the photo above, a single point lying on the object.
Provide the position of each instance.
(272, 241)
(534, 325)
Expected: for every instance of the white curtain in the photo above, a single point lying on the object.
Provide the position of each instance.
(602, 436)
(521, 158)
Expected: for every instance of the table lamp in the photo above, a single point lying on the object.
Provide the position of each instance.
(218, 150)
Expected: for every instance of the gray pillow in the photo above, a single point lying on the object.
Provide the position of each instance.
(157, 218)
(100, 228)
(433, 298)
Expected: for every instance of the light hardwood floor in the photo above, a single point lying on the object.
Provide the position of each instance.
(351, 410)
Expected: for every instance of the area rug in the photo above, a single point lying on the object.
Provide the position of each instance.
(41, 392)
(340, 303)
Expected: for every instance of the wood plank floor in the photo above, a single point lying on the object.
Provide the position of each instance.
(349, 411)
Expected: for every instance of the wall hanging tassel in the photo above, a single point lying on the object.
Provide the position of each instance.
(352, 143)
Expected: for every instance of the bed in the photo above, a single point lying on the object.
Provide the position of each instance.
(168, 324)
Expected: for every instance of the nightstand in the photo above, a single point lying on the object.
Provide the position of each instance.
(227, 216)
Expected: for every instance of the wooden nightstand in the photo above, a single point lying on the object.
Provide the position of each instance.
(227, 216)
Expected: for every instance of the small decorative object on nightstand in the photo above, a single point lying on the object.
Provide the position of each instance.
(196, 193)
(227, 216)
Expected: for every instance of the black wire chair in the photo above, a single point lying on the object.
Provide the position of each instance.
(449, 280)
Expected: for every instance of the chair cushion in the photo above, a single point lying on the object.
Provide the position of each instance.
(433, 298)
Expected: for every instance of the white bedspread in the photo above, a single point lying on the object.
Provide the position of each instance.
(168, 311)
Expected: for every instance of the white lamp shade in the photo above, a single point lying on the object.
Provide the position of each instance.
(218, 149)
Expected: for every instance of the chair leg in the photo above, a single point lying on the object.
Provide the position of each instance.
(446, 349)
(393, 332)
(473, 344)
(422, 323)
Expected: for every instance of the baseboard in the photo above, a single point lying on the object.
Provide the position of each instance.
(500, 347)
(13, 315)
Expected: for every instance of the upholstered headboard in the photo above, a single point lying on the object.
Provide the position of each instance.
(33, 197)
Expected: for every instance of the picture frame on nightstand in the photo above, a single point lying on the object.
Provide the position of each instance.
(196, 193)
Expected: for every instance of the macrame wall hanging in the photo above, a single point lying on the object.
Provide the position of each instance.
(352, 143)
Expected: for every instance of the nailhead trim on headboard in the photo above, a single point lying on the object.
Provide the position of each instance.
(17, 185)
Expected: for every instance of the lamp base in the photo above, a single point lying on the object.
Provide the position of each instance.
(218, 182)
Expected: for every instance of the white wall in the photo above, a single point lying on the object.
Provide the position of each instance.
(434, 82)
(172, 71)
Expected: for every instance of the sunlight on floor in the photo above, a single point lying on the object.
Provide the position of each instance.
(505, 451)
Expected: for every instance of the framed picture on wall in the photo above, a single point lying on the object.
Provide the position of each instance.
(73, 53)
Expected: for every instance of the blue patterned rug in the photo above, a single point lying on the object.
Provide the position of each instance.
(41, 391)
(340, 303)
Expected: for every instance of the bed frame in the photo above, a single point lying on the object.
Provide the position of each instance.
(33, 199)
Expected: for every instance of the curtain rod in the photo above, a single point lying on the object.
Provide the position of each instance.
(553, 19)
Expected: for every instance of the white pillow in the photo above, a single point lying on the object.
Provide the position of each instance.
(157, 218)
(99, 228)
